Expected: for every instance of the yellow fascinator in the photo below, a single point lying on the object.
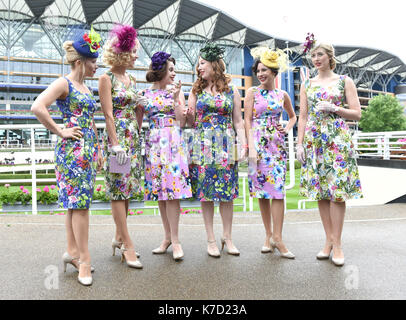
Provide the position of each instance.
(275, 59)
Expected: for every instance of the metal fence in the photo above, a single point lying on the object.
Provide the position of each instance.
(34, 167)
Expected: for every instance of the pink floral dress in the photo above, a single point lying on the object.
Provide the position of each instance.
(166, 160)
(266, 177)
(330, 171)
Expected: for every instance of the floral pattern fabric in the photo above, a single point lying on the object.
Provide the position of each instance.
(124, 186)
(267, 176)
(330, 171)
(166, 162)
(214, 170)
(76, 160)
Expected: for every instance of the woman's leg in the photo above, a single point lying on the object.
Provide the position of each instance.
(165, 223)
(337, 213)
(80, 227)
(278, 215)
(226, 211)
(72, 249)
(173, 212)
(120, 218)
(324, 209)
(265, 207)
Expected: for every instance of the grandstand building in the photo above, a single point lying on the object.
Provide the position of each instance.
(31, 57)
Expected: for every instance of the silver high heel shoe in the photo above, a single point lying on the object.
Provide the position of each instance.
(233, 252)
(180, 255)
(66, 258)
(339, 262)
(288, 255)
(323, 256)
(85, 281)
(117, 245)
(159, 250)
(266, 249)
(216, 253)
(133, 264)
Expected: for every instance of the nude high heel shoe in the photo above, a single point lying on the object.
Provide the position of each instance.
(133, 264)
(180, 255)
(266, 249)
(339, 262)
(85, 281)
(215, 253)
(66, 258)
(117, 245)
(288, 255)
(159, 250)
(323, 256)
(233, 252)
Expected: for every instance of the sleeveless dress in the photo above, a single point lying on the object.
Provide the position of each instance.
(123, 186)
(266, 178)
(330, 171)
(76, 160)
(214, 170)
(166, 163)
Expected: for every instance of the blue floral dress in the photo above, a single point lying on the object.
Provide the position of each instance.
(124, 186)
(76, 160)
(214, 170)
(330, 171)
(267, 176)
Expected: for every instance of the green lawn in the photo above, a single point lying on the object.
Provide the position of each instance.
(292, 198)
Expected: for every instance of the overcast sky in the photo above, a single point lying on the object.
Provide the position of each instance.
(373, 24)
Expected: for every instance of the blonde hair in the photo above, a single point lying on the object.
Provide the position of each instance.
(329, 51)
(111, 58)
(71, 54)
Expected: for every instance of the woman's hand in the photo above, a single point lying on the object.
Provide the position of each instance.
(99, 160)
(281, 129)
(176, 90)
(300, 154)
(325, 106)
(74, 133)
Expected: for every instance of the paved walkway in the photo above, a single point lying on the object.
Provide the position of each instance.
(374, 244)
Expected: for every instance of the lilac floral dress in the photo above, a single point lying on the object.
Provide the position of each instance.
(76, 160)
(166, 161)
(330, 171)
(266, 177)
(214, 169)
(123, 186)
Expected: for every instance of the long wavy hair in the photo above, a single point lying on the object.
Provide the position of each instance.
(220, 79)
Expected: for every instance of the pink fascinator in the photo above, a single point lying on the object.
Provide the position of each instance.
(126, 38)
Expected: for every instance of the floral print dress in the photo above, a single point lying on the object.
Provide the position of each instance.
(213, 167)
(266, 177)
(166, 161)
(123, 186)
(330, 171)
(76, 160)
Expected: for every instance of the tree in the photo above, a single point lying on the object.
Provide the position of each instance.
(384, 113)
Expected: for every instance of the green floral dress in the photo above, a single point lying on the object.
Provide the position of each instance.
(330, 171)
(214, 170)
(124, 186)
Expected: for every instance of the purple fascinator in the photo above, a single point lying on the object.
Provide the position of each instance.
(126, 38)
(158, 60)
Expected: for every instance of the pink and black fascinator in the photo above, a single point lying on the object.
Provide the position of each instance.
(126, 38)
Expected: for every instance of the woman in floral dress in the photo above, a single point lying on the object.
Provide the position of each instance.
(267, 154)
(215, 111)
(166, 165)
(119, 101)
(77, 151)
(329, 169)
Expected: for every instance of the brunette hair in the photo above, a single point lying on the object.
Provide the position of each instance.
(158, 75)
(255, 68)
(221, 80)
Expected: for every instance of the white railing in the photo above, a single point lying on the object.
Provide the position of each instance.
(34, 167)
(389, 145)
